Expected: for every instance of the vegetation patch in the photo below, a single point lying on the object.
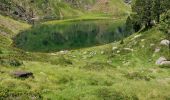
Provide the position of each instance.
(107, 93)
(62, 61)
(140, 75)
(11, 62)
(7, 94)
(97, 66)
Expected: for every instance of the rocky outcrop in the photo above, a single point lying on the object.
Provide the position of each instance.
(162, 61)
(165, 42)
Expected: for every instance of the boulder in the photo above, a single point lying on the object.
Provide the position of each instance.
(165, 42)
(166, 63)
(22, 74)
(160, 60)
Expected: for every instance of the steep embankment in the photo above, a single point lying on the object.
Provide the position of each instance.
(55, 9)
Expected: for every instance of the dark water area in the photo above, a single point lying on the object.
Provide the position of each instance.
(70, 35)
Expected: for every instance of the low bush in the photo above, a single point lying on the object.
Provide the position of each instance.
(7, 94)
(139, 75)
(11, 62)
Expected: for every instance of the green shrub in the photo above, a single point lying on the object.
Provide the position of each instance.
(7, 94)
(11, 62)
(139, 75)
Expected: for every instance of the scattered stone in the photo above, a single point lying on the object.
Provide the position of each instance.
(157, 50)
(114, 48)
(143, 46)
(160, 60)
(151, 45)
(64, 52)
(85, 52)
(142, 40)
(166, 63)
(22, 74)
(53, 54)
(118, 51)
(102, 52)
(128, 49)
(165, 42)
(93, 53)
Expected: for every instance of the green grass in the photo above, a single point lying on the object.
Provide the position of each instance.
(60, 9)
(91, 73)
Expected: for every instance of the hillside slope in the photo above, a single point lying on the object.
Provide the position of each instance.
(111, 71)
(59, 9)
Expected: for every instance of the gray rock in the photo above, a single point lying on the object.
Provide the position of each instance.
(151, 45)
(160, 60)
(114, 48)
(165, 42)
(157, 50)
(165, 63)
(128, 49)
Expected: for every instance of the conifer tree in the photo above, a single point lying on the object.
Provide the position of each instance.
(143, 12)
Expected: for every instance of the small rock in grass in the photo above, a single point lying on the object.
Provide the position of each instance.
(128, 49)
(118, 51)
(114, 48)
(160, 60)
(22, 74)
(165, 42)
(157, 50)
(102, 52)
(85, 52)
(165, 64)
(64, 51)
(142, 40)
(151, 45)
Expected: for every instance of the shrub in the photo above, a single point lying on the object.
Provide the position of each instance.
(11, 62)
(7, 94)
(139, 75)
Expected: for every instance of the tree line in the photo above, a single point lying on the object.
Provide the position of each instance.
(148, 12)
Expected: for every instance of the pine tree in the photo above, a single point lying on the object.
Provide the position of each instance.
(159, 7)
(143, 12)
